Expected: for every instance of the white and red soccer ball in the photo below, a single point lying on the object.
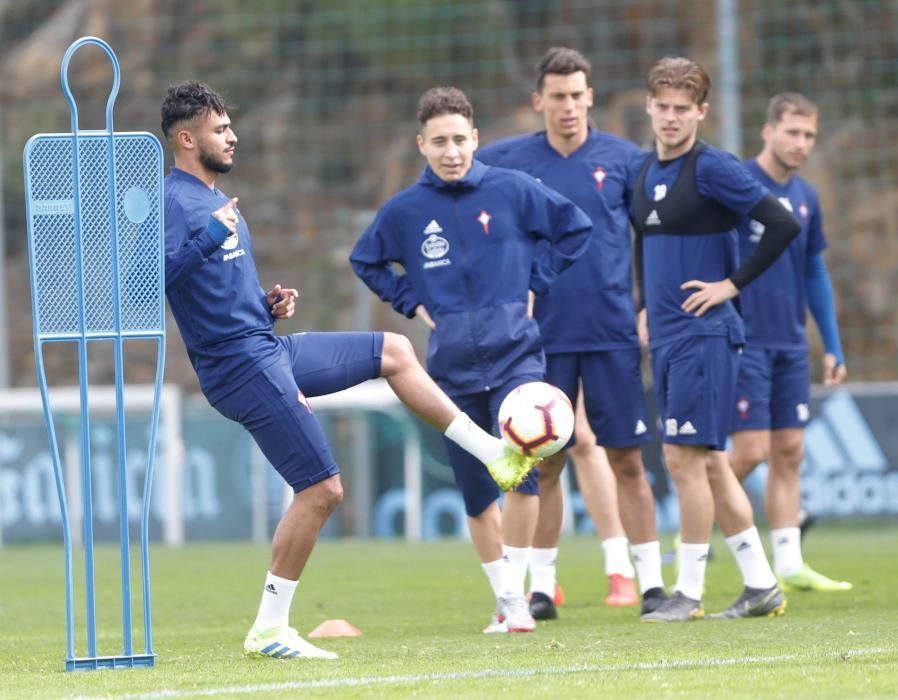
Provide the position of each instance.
(536, 419)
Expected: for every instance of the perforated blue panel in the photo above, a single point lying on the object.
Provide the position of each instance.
(96, 250)
(136, 220)
(138, 177)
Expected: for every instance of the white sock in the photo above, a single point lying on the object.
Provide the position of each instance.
(786, 543)
(542, 570)
(471, 437)
(749, 552)
(495, 574)
(517, 558)
(693, 561)
(617, 560)
(274, 610)
(647, 558)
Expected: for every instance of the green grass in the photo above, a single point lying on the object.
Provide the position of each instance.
(421, 609)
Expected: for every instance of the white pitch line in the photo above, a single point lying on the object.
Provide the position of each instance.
(467, 675)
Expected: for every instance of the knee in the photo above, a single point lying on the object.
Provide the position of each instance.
(681, 464)
(747, 456)
(327, 495)
(550, 469)
(789, 454)
(626, 464)
(581, 450)
(398, 353)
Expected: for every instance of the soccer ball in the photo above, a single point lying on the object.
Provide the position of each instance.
(536, 419)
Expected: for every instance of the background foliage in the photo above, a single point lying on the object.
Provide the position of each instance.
(325, 91)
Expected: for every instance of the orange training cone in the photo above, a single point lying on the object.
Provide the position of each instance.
(336, 628)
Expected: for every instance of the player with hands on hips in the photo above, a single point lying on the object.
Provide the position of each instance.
(475, 243)
(687, 198)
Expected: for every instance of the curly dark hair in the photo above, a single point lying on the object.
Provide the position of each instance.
(443, 100)
(188, 101)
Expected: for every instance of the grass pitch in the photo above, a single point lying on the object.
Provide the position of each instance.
(422, 608)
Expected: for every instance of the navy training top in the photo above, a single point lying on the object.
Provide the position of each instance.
(774, 306)
(590, 307)
(672, 258)
(213, 288)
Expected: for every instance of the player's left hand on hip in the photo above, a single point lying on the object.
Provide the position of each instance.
(642, 327)
(709, 295)
(421, 313)
(833, 373)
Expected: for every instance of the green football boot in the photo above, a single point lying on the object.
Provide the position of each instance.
(282, 643)
(806, 579)
(511, 468)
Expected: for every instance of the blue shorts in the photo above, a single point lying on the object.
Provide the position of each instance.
(773, 391)
(695, 385)
(471, 476)
(612, 393)
(271, 405)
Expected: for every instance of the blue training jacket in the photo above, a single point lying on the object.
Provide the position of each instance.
(470, 252)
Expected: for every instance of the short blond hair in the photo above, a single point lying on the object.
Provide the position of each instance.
(678, 73)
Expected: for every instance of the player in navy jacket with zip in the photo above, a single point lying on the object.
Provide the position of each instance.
(260, 379)
(771, 408)
(589, 329)
(686, 200)
(475, 243)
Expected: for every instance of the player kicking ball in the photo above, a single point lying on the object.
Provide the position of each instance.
(260, 379)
